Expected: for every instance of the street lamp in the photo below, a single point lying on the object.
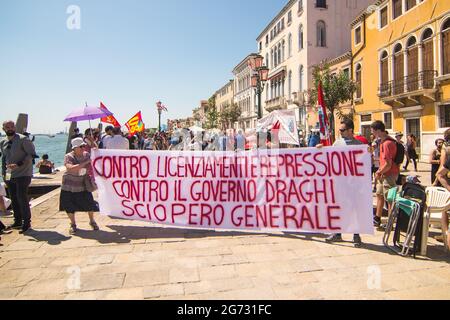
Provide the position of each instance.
(260, 75)
(159, 107)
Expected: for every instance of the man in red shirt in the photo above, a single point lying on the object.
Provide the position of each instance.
(389, 171)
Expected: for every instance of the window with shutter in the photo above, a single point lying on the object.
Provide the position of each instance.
(397, 8)
(357, 35)
(444, 116)
(358, 81)
(383, 17)
(446, 47)
(410, 4)
(384, 71)
(388, 120)
(366, 118)
(413, 69)
(428, 57)
(399, 82)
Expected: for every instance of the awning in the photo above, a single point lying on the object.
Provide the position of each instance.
(281, 73)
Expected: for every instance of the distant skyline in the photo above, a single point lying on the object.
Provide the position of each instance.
(127, 54)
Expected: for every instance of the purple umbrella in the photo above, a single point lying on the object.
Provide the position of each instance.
(87, 113)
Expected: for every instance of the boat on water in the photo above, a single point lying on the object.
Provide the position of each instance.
(44, 135)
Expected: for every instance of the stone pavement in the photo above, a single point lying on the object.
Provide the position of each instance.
(134, 260)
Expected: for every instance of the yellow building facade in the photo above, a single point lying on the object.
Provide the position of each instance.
(401, 62)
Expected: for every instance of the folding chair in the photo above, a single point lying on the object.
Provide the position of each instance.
(410, 208)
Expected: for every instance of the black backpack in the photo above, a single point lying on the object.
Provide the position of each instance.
(416, 193)
(400, 155)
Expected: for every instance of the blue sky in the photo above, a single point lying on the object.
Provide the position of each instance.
(128, 54)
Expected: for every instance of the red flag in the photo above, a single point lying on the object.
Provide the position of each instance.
(277, 125)
(135, 124)
(110, 119)
(325, 136)
(161, 107)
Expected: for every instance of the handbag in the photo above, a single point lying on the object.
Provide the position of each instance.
(90, 185)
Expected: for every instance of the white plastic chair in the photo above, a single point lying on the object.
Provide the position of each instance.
(438, 202)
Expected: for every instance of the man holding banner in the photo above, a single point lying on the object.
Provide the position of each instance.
(348, 139)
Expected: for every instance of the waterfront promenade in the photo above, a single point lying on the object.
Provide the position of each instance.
(134, 260)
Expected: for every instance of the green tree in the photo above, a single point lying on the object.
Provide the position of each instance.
(212, 116)
(229, 115)
(337, 89)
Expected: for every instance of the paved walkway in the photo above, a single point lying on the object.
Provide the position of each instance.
(133, 260)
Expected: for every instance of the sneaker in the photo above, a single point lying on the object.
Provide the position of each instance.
(25, 229)
(376, 221)
(5, 231)
(15, 226)
(94, 226)
(357, 243)
(334, 238)
(73, 229)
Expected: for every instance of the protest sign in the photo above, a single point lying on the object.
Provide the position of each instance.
(298, 190)
(284, 122)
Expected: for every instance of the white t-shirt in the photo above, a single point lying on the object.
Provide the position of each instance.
(104, 139)
(117, 143)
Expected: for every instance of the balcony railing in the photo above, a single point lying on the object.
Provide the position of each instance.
(276, 103)
(411, 83)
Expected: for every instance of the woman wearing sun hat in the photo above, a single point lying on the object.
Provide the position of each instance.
(76, 189)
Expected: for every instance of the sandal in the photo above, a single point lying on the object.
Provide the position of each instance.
(94, 226)
(73, 229)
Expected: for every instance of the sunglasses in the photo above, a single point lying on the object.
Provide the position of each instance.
(343, 130)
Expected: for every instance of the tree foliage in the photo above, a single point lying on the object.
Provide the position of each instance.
(337, 90)
(229, 115)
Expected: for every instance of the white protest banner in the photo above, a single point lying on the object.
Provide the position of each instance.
(288, 125)
(298, 190)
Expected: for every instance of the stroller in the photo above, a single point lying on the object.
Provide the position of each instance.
(405, 219)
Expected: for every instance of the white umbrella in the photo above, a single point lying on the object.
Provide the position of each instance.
(196, 129)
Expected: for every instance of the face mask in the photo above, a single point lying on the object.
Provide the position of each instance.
(10, 133)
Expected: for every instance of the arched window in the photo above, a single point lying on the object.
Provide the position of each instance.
(358, 77)
(384, 67)
(290, 84)
(275, 58)
(279, 53)
(399, 72)
(428, 59)
(300, 78)
(321, 34)
(300, 37)
(384, 72)
(290, 45)
(446, 47)
(413, 64)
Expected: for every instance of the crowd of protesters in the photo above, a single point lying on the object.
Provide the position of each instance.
(388, 156)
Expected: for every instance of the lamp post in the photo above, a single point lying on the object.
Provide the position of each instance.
(260, 75)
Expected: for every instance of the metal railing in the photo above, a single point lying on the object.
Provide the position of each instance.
(276, 103)
(410, 83)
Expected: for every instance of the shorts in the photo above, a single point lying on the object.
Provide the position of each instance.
(385, 184)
